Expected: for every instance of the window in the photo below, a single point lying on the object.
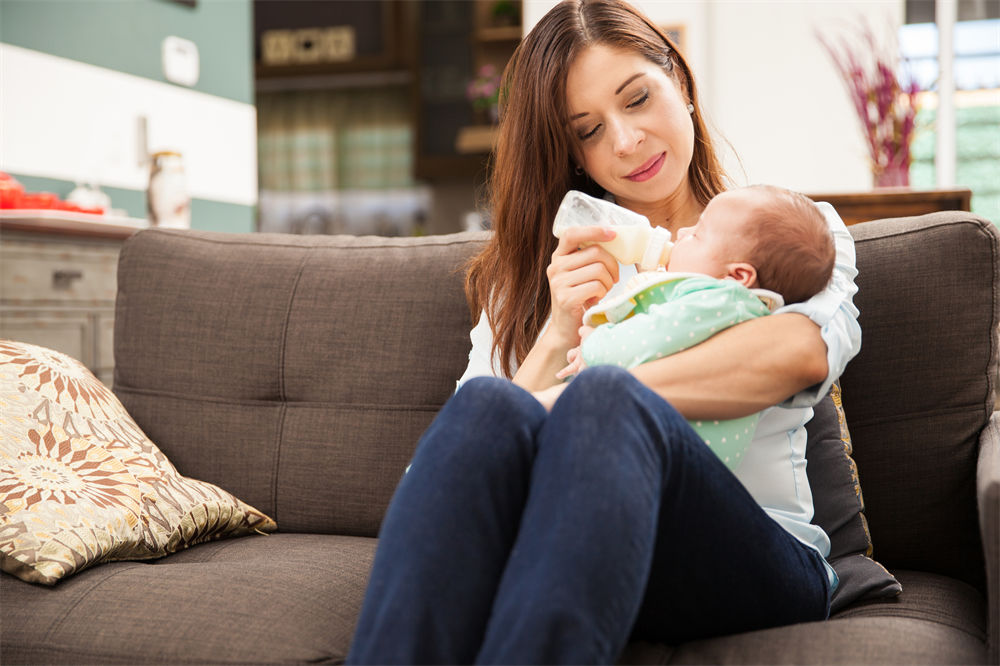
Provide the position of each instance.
(977, 98)
(338, 161)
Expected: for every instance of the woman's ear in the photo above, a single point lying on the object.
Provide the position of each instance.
(743, 273)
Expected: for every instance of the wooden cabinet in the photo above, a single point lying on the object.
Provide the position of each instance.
(58, 282)
(317, 38)
(855, 207)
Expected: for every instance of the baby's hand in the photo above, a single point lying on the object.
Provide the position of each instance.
(584, 332)
(576, 365)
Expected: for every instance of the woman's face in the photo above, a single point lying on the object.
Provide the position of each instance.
(636, 137)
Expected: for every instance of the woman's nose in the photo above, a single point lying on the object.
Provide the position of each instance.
(626, 138)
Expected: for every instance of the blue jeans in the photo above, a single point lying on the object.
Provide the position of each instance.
(520, 536)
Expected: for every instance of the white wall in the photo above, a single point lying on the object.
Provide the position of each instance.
(87, 116)
(768, 87)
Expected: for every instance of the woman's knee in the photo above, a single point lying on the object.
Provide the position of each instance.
(611, 400)
(608, 389)
(487, 421)
(493, 398)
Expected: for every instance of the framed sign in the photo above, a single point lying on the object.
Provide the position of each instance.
(315, 37)
(677, 34)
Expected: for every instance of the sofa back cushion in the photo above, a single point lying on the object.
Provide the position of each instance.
(922, 388)
(297, 372)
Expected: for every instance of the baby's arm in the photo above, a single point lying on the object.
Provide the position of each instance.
(575, 356)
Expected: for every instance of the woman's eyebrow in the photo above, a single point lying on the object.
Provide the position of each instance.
(628, 81)
(617, 92)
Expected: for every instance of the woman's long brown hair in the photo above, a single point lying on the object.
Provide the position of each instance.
(533, 164)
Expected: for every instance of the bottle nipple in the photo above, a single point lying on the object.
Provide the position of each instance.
(658, 248)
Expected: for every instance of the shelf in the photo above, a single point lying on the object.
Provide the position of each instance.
(476, 139)
(511, 33)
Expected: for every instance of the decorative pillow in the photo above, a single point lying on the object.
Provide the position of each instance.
(81, 484)
(839, 507)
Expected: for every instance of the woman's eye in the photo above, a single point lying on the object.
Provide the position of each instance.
(639, 101)
(586, 135)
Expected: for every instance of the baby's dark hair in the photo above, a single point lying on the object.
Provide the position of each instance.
(792, 247)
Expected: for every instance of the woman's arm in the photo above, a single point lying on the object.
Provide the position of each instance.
(543, 362)
(741, 370)
(737, 372)
(578, 277)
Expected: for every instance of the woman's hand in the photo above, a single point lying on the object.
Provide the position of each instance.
(742, 370)
(579, 277)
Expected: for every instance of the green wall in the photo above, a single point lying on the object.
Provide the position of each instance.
(126, 35)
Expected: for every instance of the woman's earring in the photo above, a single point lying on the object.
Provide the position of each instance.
(690, 108)
(578, 170)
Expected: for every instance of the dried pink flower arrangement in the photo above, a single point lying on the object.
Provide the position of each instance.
(886, 106)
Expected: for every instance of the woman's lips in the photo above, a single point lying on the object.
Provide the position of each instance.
(648, 170)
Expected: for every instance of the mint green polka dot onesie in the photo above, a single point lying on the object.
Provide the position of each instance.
(677, 312)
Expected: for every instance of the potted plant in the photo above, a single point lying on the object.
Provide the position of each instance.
(484, 92)
(886, 105)
(505, 13)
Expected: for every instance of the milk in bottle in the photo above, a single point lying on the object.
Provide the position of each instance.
(635, 241)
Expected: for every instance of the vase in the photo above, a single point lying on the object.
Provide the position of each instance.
(894, 175)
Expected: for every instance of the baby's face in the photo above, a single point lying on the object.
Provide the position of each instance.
(718, 239)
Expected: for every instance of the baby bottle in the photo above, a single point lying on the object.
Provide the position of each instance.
(635, 241)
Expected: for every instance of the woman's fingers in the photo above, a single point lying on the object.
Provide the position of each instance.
(579, 277)
(575, 237)
(562, 263)
(576, 299)
(569, 277)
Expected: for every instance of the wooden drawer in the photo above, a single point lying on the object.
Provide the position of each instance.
(39, 273)
(58, 284)
(68, 332)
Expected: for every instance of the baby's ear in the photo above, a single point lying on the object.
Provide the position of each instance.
(743, 273)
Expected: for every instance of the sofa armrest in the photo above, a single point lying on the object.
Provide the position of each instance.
(988, 496)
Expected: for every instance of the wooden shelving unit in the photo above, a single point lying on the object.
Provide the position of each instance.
(458, 38)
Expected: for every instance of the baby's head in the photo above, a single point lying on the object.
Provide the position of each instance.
(762, 236)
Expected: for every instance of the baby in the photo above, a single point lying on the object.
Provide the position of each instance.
(753, 250)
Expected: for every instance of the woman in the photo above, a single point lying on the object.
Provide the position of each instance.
(550, 523)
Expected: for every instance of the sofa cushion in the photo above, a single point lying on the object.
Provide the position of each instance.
(81, 484)
(934, 620)
(839, 506)
(922, 388)
(283, 598)
(321, 358)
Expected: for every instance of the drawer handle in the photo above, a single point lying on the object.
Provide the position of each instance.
(64, 279)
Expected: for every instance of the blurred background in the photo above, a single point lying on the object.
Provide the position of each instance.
(376, 116)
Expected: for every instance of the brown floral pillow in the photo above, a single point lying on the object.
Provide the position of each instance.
(839, 506)
(81, 484)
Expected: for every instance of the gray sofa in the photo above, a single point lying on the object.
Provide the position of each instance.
(299, 372)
